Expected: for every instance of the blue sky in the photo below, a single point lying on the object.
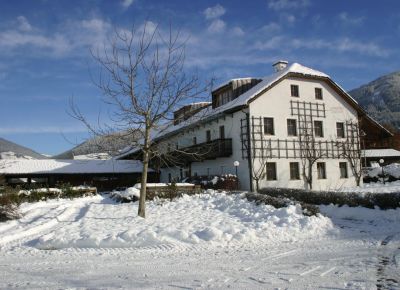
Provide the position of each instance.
(45, 45)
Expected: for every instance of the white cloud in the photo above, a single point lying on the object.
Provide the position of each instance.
(339, 45)
(271, 28)
(57, 43)
(127, 3)
(95, 25)
(217, 26)
(238, 31)
(368, 48)
(214, 12)
(23, 23)
(346, 19)
(290, 18)
(287, 4)
(272, 43)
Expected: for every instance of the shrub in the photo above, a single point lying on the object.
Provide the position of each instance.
(8, 208)
(278, 202)
(227, 182)
(352, 199)
(219, 182)
(172, 191)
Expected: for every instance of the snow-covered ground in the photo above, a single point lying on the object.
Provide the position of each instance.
(205, 241)
(375, 187)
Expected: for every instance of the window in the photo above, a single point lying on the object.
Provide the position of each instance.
(340, 130)
(291, 127)
(343, 170)
(318, 93)
(194, 140)
(318, 129)
(208, 136)
(294, 90)
(221, 132)
(269, 126)
(294, 171)
(271, 171)
(321, 170)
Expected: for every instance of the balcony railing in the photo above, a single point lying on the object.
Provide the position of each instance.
(203, 151)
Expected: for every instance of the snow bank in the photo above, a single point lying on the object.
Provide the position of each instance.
(361, 213)
(127, 195)
(390, 169)
(211, 219)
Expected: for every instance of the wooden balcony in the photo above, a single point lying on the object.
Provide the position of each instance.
(203, 151)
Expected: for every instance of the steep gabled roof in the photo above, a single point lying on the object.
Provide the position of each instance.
(52, 166)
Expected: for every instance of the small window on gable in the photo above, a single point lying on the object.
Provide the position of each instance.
(292, 127)
(294, 90)
(271, 170)
(269, 126)
(343, 170)
(318, 93)
(321, 170)
(340, 129)
(294, 171)
(318, 129)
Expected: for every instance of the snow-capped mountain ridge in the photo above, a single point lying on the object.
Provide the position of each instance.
(381, 98)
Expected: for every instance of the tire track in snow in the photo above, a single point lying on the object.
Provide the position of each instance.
(384, 279)
(13, 225)
(54, 220)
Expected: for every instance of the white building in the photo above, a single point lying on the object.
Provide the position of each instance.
(274, 126)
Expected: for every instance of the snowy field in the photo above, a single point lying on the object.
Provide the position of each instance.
(202, 242)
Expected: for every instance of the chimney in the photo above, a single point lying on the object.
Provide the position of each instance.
(280, 65)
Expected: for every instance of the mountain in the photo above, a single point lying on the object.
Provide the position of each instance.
(104, 146)
(11, 150)
(381, 98)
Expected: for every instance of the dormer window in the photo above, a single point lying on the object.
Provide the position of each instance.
(231, 90)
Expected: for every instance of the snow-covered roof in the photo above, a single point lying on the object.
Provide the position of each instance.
(381, 153)
(53, 166)
(93, 156)
(229, 81)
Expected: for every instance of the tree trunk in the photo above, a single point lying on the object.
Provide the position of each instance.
(257, 185)
(310, 177)
(143, 184)
(358, 179)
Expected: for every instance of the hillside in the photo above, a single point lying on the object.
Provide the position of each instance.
(11, 150)
(106, 144)
(381, 98)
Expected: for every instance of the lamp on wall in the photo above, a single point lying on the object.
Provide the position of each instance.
(236, 164)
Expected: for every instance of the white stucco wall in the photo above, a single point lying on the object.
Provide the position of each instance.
(275, 103)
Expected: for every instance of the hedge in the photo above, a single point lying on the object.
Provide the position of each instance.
(352, 199)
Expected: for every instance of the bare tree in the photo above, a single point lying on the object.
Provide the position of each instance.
(310, 149)
(351, 150)
(143, 80)
(260, 151)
